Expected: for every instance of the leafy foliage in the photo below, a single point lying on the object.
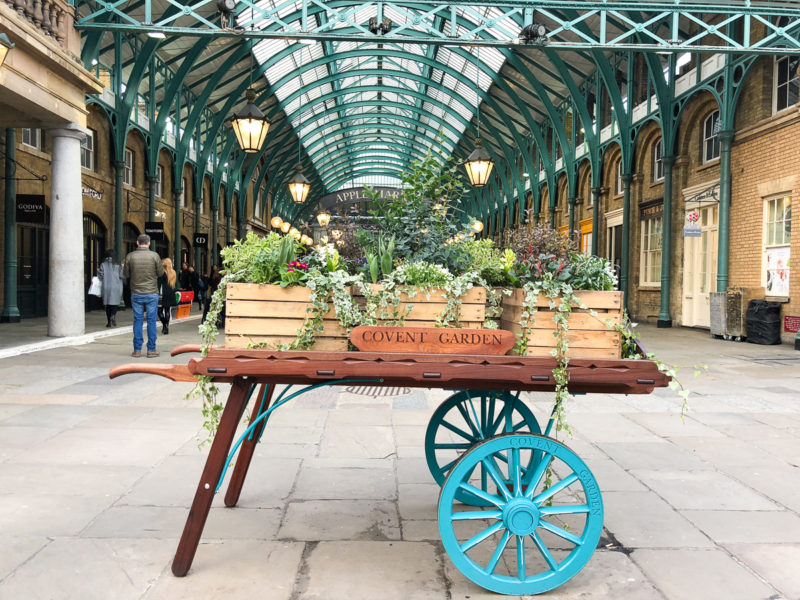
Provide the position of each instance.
(492, 264)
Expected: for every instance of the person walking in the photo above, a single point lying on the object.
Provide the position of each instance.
(142, 269)
(110, 274)
(166, 294)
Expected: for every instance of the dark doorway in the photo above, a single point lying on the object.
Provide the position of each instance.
(33, 247)
(94, 249)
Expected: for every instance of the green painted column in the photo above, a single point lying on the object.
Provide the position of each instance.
(151, 204)
(10, 310)
(626, 234)
(595, 221)
(198, 198)
(571, 204)
(119, 171)
(214, 255)
(664, 319)
(723, 228)
(176, 228)
(227, 229)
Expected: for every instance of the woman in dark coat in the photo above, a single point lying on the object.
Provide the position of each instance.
(110, 273)
(166, 294)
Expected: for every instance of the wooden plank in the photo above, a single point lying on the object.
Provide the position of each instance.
(577, 320)
(262, 291)
(271, 308)
(591, 298)
(575, 352)
(322, 344)
(248, 326)
(437, 340)
(474, 295)
(576, 338)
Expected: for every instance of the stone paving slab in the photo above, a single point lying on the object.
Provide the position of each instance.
(339, 503)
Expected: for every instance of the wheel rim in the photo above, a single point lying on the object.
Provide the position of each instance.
(538, 532)
(467, 418)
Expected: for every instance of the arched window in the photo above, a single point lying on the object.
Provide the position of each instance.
(786, 84)
(658, 161)
(711, 127)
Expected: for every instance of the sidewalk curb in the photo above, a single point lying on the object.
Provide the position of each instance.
(79, 340)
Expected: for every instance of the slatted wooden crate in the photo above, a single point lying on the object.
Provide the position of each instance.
(270, 315)
(589, 336)
(427, 305)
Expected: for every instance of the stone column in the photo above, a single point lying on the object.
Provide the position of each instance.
(627, 178)
(595, 221)
(66, 295)
(10, 310)
(664, 318)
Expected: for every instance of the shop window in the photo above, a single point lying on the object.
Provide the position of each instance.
(786, 83)
(87, 151)
(658, 161)
(650, 260)
(711, 137)
(32, 138)
(160, 181)
(127, 172)
(776, 247)
(94, 248)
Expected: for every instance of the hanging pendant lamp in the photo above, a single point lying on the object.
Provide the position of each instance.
(250, 125)
(478, 164)
(299, 186)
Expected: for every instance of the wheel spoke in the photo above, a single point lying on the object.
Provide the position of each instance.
(516, 471)
(554, 489)
(519, 426)
(446, 468)
(469, 515)
(471, 543)
(490, 415)
(495, 500)
(562, 533)
(459, 431)
(498, 552)
(570, 509)
(537, 475)
(463, 410)
(491, 468)
(521, 557)
(551, 561)
(454, 446)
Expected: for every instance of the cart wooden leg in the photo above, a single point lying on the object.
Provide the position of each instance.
(249, 445)
(204, 495)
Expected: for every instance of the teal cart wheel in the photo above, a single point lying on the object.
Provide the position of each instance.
(538, 531)
(467, 418)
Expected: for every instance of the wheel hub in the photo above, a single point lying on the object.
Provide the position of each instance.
(521, 517)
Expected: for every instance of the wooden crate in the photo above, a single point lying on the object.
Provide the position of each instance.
(588, 335)
(427, 305)
(271, 315)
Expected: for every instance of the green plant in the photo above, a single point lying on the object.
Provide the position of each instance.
(491, 263)
(424, 216)
(382, 262)
(591, 273)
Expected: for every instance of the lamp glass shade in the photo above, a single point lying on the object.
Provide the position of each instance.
(5, 46)
(299, 186)
(250, 125)
(276, 222)
(285, 226)
(478, 165)
(323, 218)
(477, 226)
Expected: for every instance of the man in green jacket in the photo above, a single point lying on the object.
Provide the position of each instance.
(142, 269)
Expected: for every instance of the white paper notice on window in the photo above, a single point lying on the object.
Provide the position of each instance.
(778, 271)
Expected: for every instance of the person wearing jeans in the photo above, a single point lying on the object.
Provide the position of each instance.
(142, 269)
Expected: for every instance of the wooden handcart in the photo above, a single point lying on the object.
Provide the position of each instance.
(519, 512)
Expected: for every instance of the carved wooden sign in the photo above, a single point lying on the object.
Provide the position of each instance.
(433, 340)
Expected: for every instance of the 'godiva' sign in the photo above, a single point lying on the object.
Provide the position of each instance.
(435, 340)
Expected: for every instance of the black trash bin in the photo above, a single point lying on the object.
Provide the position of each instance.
(764, 322)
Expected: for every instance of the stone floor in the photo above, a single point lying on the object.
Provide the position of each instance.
(96, 477)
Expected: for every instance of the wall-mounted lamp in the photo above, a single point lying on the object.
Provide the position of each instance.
(323, 218)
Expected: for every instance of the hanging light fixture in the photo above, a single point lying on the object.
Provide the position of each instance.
(323, 218)
(250, 125)
(276, 222)
(299, 186)
(479, 164)
(286, 226)
(5, 46)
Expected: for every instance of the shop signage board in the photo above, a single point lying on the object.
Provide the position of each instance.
(692, 230)
(30, 208)
(155, 229)
(201, 240)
